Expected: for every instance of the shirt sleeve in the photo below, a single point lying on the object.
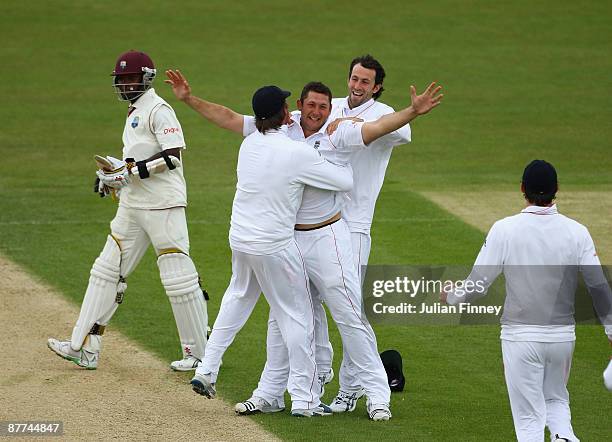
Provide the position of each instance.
(348, 136)
(248, 126)
(401, 136)
(398, 137)
(316, 171)
(596, 282)
(489, 264)
(166, 128)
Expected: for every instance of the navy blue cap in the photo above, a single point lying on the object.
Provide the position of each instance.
(540, 178)
(268, 101)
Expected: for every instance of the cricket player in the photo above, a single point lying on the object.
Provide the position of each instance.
(322, 237)
(365, 87)
(273, 171)
(540, 253)
(152, 201)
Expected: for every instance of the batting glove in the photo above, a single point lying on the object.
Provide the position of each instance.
(116, 178)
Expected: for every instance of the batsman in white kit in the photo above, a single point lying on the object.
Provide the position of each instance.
(540, 253)
(273, 171)
(151, 190)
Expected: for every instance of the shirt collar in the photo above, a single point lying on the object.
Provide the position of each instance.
(295, 124)
(280, 130)
(538, 210)
(143, 99)
(295, 117)
(347, 111)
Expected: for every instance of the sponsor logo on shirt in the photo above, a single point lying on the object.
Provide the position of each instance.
(317, 144)
(171, 130)
(135, 122)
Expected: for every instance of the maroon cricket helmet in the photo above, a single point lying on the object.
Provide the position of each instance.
(132, 62)
(129, 63)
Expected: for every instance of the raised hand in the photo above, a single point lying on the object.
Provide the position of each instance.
(429, 99)
(179, 84)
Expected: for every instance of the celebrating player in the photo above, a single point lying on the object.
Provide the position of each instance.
(540, 252)
(151, 211)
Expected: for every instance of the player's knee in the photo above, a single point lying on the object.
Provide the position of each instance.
(178, 273)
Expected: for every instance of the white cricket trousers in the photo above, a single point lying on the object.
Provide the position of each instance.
(282, 278)
(329, 262)
(536, 376)
(136, 229)
(362, 244)
(349, 378)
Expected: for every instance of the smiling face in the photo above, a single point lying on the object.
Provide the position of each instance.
(362, 85)
(315, 109)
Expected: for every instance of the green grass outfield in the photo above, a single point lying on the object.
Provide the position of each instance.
(522, 80)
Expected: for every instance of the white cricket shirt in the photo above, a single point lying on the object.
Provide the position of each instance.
(369, 165)
(540, 253)
(319, 205)
(150, 127)
(272, 172)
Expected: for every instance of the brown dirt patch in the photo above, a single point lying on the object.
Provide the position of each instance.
(133, 395)
(482, 209)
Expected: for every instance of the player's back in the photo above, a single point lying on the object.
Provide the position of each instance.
(268, 192)
(542, 236)
(542, 252)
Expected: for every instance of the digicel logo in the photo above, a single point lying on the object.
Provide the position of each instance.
(171, 130)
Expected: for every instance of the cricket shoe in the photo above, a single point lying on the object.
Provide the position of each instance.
(346, 401)
(86, 357)
(201, 384)
(258, 405)
(325, 379)
(378, 412)
(321, 410)
(188, 363)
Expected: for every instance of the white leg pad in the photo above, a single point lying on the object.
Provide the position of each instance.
(100, 301)
(180, 279)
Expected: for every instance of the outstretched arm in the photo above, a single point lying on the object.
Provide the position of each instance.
(222, 116)
(421, 104)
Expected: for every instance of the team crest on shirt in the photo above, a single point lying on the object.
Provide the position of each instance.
(135, 122)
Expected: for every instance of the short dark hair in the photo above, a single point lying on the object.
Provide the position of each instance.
(273, 122)
(369, 62)
(540, 200)
(318, 87)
